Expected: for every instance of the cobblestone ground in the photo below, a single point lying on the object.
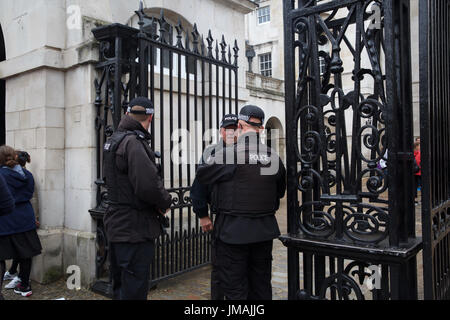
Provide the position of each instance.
(190, 286)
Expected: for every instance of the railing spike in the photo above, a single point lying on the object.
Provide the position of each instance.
(195, 35)
(179, 28)
(223, 46)
(140, 13)
(162, 31)
(236, 50)
(210, 41)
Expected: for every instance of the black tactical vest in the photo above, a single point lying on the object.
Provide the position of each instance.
(114, 179)
(249, 192)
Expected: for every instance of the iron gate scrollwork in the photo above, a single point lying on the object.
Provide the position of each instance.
(435, 145)
(350, 221)
(193, 85)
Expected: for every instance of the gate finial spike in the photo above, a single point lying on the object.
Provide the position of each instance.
(195, 35)
(223, 46)
(210, 41)
(179, 28)
(162, 30)
(195, 32)
(140, 13)
(236, 50)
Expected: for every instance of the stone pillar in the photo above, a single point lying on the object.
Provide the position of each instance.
(35, 123)
(79, 235)
(35, 113)
(49, 73)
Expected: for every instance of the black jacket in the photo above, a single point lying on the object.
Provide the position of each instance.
(201, 193)
(6, 199)
(135, 162)
(240, 225)
(21, 184)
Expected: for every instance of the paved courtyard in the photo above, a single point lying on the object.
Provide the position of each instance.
(190, 286)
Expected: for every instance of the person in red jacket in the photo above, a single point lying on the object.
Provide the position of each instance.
(418, 174)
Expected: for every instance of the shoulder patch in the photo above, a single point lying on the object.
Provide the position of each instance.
(107, 146)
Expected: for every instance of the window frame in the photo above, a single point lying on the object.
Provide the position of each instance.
(258, 17)
(263, 71)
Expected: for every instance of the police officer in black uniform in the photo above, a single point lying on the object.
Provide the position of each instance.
(137, 202)
(246, 196)
(200, 195)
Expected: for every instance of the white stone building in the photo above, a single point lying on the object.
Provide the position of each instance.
(265, 65)
(48, 71)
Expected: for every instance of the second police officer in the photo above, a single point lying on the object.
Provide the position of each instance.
(201, 196)
(248, 187)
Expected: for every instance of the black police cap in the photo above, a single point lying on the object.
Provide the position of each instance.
(229, 120)
(142, 102)
(251, 111)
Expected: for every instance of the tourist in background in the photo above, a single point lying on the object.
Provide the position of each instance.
(18, 236)
(6, 207)
(12, 275)
(418, 171)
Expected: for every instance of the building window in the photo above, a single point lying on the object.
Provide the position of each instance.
(265, 64)
(263, 14)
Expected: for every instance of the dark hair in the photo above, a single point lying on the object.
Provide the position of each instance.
(139, 117)
(8, 156)
(23, 158)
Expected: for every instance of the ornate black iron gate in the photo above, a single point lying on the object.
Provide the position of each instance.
(435, 146)
(351, 228)
(2, 93)
(192, 85)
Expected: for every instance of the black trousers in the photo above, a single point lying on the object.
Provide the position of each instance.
(216, 291)
(245, 270)
(14, 265)
(25, 271)
(130, 269)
